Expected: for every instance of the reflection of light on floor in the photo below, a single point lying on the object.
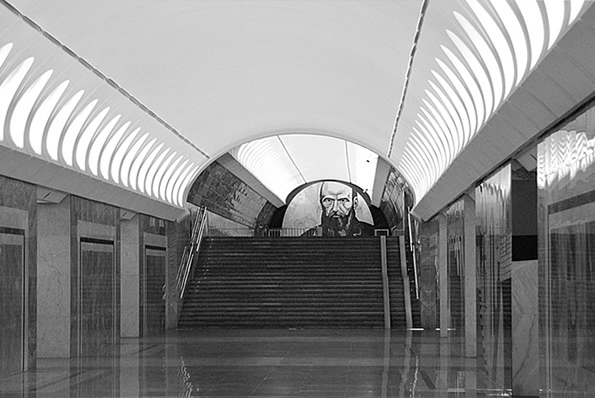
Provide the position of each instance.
(498, 393)
(422, 329)
(386, 363)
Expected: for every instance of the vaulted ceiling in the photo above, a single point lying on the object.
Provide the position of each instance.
(157, 90)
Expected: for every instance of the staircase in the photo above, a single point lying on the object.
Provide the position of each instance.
(287, 283)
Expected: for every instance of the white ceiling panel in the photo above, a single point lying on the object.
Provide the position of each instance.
(412, 80)
(318, 156)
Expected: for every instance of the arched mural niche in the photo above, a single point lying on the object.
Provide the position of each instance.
(330, 208)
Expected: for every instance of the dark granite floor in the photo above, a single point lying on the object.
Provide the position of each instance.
(265, 363)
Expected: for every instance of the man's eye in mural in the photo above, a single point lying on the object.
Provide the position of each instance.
(337, 206)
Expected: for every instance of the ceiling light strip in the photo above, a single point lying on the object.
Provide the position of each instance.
(420, 21)
(348, 165)
(292, 160)
(42, 117)
(499, 45)
(111, 82)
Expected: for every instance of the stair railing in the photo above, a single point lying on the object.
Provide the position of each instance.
(199, 225)
(406, 288)
(385, 283)
(414, 253)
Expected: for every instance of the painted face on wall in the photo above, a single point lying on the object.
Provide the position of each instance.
(337, 199)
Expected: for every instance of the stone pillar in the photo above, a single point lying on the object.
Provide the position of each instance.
(53, 283)
(470, 279)
(428, 273)
(525, 329)
(524, 276)
(443, 275)
(130, 282)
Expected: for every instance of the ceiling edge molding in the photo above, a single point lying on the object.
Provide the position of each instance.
(52, 177)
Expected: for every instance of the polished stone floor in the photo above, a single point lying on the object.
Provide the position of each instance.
(265, 363)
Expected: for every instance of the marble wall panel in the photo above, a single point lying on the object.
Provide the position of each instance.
(566, 219)
(98, 312)
(525, 328)
(455, 266)
(470, 277)
(221, 226)
(54, 268)
(428, 270)
(178, 236)
(130, 281)
(154, 290)
(223, 193)
(393, 200)
(443, 275)
(95, 212)
(524, 216)
(12, 305)
(494, 261)
(95, 228)
(153, 283)
(152, 225)
(18, 209)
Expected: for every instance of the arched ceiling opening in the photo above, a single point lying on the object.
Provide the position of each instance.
(285, 162)
(143, 94)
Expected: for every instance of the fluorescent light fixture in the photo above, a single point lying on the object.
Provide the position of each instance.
(9, 87)
(24, 107)
(42, 116)
(516, 35)
(85, 140)
(532, 17)
(138, 163)
(4, 51)
(120, 153)
(74, 131)
(99, 143)
(109, 148)
(494, 33)
(58, 124)
(555, 17)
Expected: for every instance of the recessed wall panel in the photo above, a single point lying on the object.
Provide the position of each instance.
(97, 294)
(566, 220)
(12, 305)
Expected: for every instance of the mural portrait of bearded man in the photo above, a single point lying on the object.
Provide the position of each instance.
(338, 202)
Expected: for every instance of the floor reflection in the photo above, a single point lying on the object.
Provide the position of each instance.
(266, 363)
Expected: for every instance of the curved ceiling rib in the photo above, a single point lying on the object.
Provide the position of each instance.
(58, 110)
(496, 45)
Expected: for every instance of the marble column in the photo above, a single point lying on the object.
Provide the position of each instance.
(525, 329)
(470, 278)
(53, 283)
(443, 274)
(130, 281)
(428, 274)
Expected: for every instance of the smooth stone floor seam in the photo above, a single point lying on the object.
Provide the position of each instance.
(265, 363)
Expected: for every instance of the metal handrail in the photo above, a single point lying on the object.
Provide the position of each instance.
(414, 253)
(252, 232)
(198, 227)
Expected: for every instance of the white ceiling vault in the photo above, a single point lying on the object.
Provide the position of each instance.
(166, 87)
(285, 162)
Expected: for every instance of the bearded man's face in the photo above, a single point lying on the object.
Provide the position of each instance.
(337, 202)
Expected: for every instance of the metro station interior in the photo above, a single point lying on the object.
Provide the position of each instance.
(333, 198)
